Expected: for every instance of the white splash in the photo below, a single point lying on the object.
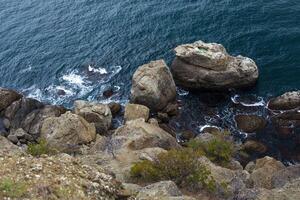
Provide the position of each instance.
(99, 70)
(235, 100)
(202, 128)
(74, 79)
(182, 92)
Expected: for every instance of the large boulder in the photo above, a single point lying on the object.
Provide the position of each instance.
(153, 86)
(7, 97)
(32, 123)
(250, 123)
(263, 172)
(287, 101)
(135, 111)
(96, 113)
(133, 142)
(208, 66)
(18, 111)
(67, 131)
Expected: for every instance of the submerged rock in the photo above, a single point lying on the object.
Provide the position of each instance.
(136, 111)
(96, 113)
(153, 86)
(252, 146)
(67, 131)
(250, 123)
(287, 101)
(208, 66)
(287, 124)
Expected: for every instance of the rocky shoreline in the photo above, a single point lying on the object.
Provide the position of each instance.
(51, 152)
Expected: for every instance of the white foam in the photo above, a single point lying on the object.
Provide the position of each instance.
(99, 70)
(235, 100)
(74, 79)
(182, 92)
(201, 128)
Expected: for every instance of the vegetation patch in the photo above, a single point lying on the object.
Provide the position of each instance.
(218, 150)
(40, 148)
(181, 166)
(12, 189)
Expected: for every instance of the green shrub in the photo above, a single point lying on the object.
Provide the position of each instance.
(12, 189)
(181, 166)
(218, 150)
(40, 148)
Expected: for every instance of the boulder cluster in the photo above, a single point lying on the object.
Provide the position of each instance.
(90, 159)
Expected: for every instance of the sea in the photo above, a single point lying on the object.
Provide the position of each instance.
(58, 51)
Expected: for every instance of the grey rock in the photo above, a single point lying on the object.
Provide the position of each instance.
(96, 113)
(153, 86)
(287, 101)
(208, 66)
(7, 97)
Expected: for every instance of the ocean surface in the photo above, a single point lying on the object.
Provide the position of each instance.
(60, 50)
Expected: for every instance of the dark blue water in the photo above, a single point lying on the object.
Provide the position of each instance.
(46, 46)
(61, 50)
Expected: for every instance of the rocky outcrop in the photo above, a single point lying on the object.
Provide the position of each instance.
(208, 66)
(250, 123)
(7, 97)
(134, 141)
(287, 101)
(67, 131)
(55, 177)
(166, 190)
(98, 114)
(264, 170)
(135, 111)
(153, 86)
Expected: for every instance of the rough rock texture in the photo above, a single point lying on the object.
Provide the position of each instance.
(7, 148)
(96, 113)
(67, 131)
(250, 123)
(264, 170)
(7, 97)
(165, 190)
(235, 180)
(287, 101)
(282, 177)
(208, 66)
(135, 141)
(34, 120)
(153, 86)
(136, 111)
(57, 177)
(18, 111)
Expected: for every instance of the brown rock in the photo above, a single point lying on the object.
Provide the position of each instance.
(252, 146)
(287, 101)
(7, 97)
(250, 123)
